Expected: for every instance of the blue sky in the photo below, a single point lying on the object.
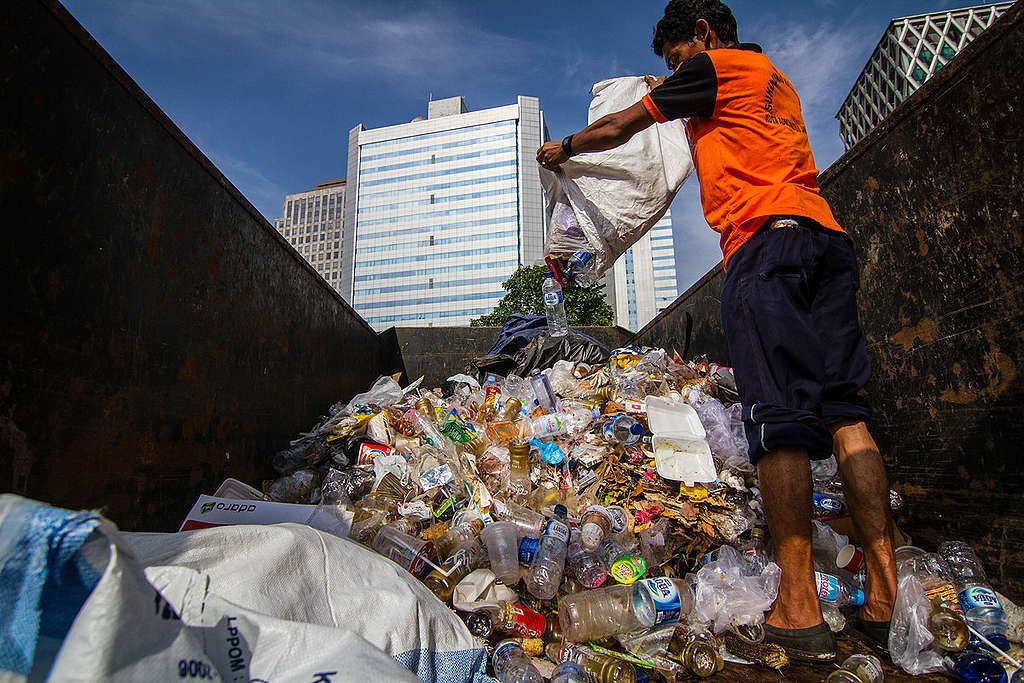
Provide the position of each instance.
(268, 89)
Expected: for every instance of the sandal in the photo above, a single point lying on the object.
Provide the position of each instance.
(814, 644)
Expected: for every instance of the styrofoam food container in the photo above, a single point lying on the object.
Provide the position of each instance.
(681, 450)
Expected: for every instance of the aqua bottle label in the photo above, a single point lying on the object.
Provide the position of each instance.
(552, 298)
(978, 596)
(665, 595)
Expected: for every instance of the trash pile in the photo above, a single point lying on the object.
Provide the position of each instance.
(603, 522)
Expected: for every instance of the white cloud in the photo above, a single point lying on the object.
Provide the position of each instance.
(339, 41)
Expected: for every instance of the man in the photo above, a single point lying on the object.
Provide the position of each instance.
(788, 303)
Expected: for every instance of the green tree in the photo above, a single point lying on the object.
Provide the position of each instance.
(583, 305)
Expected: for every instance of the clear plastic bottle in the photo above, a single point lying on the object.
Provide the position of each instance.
(837, 591)
(558, 326)
(569, 672)
(602, 668)
(582, 268)
(491, 391)
(455, 569)
(602, 612)
(512, 665)
(546, 397)
(585, 565)
(519, 469)
(975, 666)
(550, 424)
(549, 562)
(623, 429)
(981, 606)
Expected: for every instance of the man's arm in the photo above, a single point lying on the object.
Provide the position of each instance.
(606, 133)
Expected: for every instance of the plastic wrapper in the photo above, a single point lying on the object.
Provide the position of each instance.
(718, 422)
(299, 454)
(725, 595)
(909, 638)
(346, 486)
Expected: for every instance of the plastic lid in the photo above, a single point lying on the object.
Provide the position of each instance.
(857, 597)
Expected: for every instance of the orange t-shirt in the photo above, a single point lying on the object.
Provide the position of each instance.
(748, 141)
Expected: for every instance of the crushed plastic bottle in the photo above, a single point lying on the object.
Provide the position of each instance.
(512, 665)
(980, 604)
(549, 562)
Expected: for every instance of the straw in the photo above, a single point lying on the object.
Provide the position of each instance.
(985, 640)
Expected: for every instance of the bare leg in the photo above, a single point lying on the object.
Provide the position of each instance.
(785, 479)
(867, 493)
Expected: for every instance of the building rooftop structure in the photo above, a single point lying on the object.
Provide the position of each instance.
(911, 50)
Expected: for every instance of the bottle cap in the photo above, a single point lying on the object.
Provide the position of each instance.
(636, 428)
(561, 511)
(549, 274)
(857, 597)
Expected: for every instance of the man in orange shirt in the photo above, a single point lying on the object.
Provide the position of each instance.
(788, 303)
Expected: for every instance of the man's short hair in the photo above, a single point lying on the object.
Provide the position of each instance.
(681, 16)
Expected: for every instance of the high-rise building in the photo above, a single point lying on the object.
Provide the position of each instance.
(911, 50)
(440, 211)
(642, 283)
(312, 223)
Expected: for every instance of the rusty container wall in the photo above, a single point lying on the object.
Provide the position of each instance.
(437, 353)
(158, 334)
(934, 201)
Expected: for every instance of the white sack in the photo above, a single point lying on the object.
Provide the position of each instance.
(278, 603)
(615, 196)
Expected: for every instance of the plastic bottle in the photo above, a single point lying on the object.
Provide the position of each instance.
(857, 669)
(672, 598)
(975, 666)
(502, 539)
(981, 606)
(602, 668)
(462, 533)
(582, 268)
(558, 326)
(507, 617)
(549, 562)
(511, 665)
(622, 429)
(594, 526)
(602, 612)
(519, 469)
(456, 568)
(585, 566)
(512, 408)
(569, 672)
(491, 391)
(837, 591)
(546, 397)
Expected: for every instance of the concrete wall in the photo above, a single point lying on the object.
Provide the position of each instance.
(934, 200)
(158, 334)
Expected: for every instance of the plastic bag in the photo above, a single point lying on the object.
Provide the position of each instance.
(909, 637)
(384, 392)
(718, 422)
(617, 195)
(298, 486)
(725, 595)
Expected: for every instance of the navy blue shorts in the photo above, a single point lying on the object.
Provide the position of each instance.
(790, 312)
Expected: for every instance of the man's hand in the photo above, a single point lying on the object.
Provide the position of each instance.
(654, 81)
(551, 155)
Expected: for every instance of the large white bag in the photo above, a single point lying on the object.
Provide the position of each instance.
(603, 202)
(84, 602)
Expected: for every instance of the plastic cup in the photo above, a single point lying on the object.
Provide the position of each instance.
(407, 551)
(502, 540)
(850, 558)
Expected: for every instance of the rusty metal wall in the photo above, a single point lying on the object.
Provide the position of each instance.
(934, 200)
(158, 334)
(440, 352)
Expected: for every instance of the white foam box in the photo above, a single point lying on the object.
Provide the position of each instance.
(681, 450)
